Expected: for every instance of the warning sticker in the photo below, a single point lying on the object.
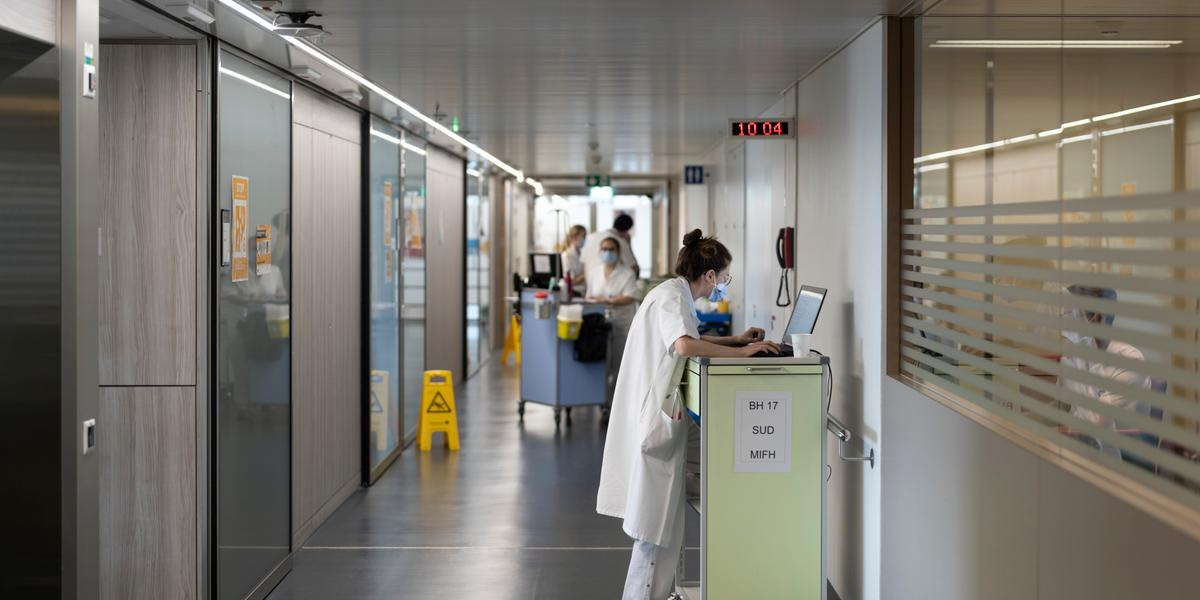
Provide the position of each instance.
(438, 405)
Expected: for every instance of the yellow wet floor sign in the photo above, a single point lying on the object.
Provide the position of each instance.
(512, 341)
(437, 411)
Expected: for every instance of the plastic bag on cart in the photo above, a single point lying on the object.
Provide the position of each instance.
(592, 343)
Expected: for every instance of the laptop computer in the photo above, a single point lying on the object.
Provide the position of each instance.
(805, 311)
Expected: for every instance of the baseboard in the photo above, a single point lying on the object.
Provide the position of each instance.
(318, 518)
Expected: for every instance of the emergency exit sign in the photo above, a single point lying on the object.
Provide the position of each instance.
(592, 181)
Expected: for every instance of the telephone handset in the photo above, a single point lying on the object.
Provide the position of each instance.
(785, 254)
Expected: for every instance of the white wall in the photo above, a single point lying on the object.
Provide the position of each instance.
(967, 514)
(839, 234)
(770, 205)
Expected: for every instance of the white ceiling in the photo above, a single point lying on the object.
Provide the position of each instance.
(534, 81)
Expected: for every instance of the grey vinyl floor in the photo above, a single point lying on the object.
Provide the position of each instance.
(509, 516)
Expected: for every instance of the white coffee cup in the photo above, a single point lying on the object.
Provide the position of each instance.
(801, 343)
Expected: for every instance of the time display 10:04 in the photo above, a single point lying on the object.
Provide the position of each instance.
(767, 128)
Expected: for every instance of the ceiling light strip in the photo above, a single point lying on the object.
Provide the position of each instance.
(1057, 44)
(412, 148)
(1058, 130)
(254, 82)
(358, 78)
(385, 137)
(474, 173)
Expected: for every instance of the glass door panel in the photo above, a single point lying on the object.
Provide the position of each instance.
(253, 360)
(412, 266)
(385, 376)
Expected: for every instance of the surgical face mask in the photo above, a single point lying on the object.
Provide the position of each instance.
(579, 244)
(609, 257)
(720, 292)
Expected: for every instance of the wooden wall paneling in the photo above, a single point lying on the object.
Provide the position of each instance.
(445, 214)
(148, 189)
(148, 493)
(326, 296)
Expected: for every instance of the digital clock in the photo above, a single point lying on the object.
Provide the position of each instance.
(761, 128)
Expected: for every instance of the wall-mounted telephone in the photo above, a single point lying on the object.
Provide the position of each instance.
(785, 254)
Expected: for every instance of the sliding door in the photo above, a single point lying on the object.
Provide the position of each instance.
(253, 344)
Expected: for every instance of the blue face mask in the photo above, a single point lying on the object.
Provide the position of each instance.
(579, 245)
(719, 293)
(609, 257)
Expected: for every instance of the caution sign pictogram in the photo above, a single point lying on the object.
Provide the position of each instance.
(437, 411)
(438, 405)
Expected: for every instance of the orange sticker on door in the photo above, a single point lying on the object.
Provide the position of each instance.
(240, 245)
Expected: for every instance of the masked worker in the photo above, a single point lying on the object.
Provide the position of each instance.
(615, 284)
(622, 230)
(642, 477)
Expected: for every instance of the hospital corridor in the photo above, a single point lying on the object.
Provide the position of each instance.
(599, 299)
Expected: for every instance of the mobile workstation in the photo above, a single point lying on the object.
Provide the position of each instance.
(762, 476)
(550, 374)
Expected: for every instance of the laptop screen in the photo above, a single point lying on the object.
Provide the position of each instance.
(805, 310)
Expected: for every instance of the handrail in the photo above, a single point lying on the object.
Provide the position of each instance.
(844, 435)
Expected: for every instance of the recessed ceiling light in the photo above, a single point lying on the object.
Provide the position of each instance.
(1057, 44)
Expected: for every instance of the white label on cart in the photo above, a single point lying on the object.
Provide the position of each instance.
(764, 432)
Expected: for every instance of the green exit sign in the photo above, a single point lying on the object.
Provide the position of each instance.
(598, 181)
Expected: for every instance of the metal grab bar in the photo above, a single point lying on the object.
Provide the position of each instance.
(843, 434)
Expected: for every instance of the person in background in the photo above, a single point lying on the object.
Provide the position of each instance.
(646, 490)
(572, 264)
(615, 284)
(622, 230)
(1106, 371)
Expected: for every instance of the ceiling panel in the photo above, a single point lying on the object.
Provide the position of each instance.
(535, 81)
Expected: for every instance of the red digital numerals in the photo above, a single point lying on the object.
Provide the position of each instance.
(759, 128)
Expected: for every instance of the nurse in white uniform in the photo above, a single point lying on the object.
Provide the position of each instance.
(645, 491)
(614, 283)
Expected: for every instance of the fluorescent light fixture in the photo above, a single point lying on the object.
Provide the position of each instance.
(1072, 140)
(601, 192)
(474, 173)
(254, 82)
(934, 167)
(1058, 44)
(358, 78)
(1064, 126)
(535, 184)
(385, 137)
(412, 148)
(1138, 109)
(1138, 127)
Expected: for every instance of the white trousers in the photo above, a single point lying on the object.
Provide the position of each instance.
(652, 568)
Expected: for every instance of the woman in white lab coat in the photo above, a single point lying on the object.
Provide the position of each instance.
(647, 491)
(614, 283)
(572, 263)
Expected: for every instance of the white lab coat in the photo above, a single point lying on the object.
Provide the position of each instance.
(622, 282)
(590, 255)
(572, 263)
(1115, 373)
(646, 492)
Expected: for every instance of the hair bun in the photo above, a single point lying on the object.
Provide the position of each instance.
(692, 237)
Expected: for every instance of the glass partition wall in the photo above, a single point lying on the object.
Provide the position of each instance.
(478, 273)
(253, 337)
(412, 267)
(396, 250)
(385, 375)
(1051, 256)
